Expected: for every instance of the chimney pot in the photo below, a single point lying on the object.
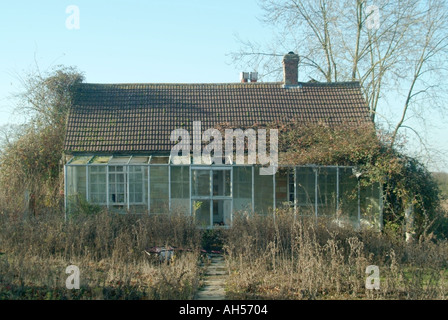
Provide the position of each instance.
(244, 76)
(253, 76)
(290, 69)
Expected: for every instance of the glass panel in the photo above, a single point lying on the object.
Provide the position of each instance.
(348, 197)
(242, 188)
(76, 186)
(264, 192)
(180, 188)
(206, 159)
(306, 190)
(137, 192)
(371, 207)
(281, 188)
(80, 160)
(327, 191)
(201, 212)
(291, 187)
(76, 181)
(160, 160)
(99, 160)
(139, 159)
(181, 160)
(117, 185)
(119, 160)
(221, 183)
(222, 212)
(200, 182)
(159, 189)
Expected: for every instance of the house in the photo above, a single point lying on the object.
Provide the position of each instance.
(118, 146)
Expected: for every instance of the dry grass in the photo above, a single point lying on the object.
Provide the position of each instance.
(288, 258)
(285, 258)
(109, 251)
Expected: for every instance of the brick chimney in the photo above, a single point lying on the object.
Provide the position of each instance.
(290, 69)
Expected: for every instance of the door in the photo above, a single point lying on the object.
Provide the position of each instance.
(212, 196)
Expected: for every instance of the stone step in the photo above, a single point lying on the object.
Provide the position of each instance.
(216, 273)
(214, 280)
(214, 263)
(211, 297)
(211, 288)
(211, 291)
(217, 269)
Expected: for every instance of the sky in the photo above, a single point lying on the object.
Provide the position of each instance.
(176, 41)
(123, 41)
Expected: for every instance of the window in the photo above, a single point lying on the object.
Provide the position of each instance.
(306, 186)
(201, 182)
(97, 184)
(306, 189)
(136, 185)
(263, 192)
(291, 188)
(117, 185)
(327, 191)
(242, 188)
(180, 188)
(159, 188)
(180, 182)
(221, 183)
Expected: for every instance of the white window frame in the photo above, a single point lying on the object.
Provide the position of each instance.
(116, 183)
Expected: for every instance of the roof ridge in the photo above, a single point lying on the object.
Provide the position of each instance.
(329, 84)
(240, 84)
(180, 83)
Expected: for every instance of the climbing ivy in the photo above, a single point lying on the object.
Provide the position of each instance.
(405, 180)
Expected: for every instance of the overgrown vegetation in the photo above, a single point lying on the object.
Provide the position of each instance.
(288, 258)
(109, 250)
(283, 258)
(442, 180)
(406, 182)
(31, 175)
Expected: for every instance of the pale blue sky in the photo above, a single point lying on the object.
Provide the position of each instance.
(138, 41)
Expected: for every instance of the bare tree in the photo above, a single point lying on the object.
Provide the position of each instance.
(45, 96)
(389, 46)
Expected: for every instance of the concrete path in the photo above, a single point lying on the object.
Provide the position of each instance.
(215, 280)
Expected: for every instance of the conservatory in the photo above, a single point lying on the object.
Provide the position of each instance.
(120, 137)
(212, 194)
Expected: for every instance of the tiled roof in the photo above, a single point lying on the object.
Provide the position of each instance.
(139, 118)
